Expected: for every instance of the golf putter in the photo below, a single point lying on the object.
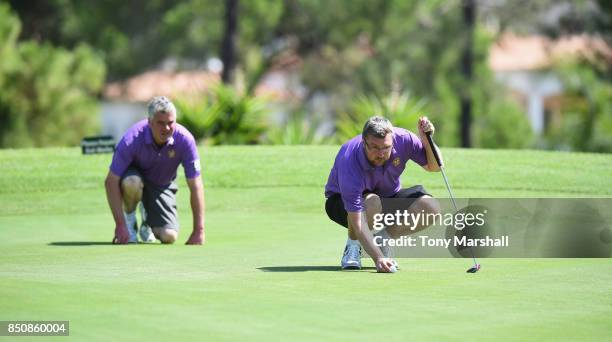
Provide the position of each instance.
(476, 266)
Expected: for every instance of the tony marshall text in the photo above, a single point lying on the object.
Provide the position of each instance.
(426, 241)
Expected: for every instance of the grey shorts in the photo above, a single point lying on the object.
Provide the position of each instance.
(159, 202)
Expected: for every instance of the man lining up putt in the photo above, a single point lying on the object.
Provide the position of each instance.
(144, 169)
(368, 168)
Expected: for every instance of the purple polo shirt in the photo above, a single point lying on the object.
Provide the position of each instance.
(157, 165)
(352, 174)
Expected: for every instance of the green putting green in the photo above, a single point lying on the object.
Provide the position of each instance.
(269, 269)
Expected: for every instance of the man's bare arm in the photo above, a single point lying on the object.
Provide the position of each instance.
(115, 202)
(359, 226)
(424, 126)
(196, 190)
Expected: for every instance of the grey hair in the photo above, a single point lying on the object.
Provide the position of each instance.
(160, 104)
(377, 126)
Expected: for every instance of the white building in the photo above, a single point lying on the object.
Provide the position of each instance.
(524, 65)
(125, 102)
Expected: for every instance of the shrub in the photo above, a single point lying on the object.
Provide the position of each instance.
(400, 108)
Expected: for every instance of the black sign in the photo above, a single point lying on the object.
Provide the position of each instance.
(99, 144)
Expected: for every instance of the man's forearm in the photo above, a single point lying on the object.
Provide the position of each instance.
(197, 207)
(432, 164)
(113, 196)
(360, 227)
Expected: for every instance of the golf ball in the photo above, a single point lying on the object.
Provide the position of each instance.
(393, 269)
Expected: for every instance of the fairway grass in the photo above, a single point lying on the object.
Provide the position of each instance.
(269, 269)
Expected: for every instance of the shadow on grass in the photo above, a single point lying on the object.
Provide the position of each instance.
(101, 243)
(79, 243)
(307, 269)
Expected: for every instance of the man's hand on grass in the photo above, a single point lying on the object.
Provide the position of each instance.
(197, 237)
(122, 236)
(384, 265)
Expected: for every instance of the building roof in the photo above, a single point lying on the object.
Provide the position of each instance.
(277, 84)
(143, 87)
(512, 52)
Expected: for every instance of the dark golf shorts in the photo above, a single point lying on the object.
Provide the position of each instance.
(159, 202)
(336, 212)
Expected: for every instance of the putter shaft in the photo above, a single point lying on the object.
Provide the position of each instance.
(435, 152)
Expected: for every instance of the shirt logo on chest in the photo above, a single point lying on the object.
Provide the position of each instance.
(396, 161)
(171, 153)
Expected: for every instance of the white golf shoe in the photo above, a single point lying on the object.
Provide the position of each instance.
(145, 232)
(351, 259)
(132, 226)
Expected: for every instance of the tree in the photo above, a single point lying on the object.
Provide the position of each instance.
(465, 96)
(48, 94)
(228, 47)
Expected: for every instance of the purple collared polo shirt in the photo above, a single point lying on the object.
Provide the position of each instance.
(157, 165)
(352, 175)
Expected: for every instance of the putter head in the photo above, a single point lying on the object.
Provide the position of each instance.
(474, 268)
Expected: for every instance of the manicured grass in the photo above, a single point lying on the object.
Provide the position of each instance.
(269, 270)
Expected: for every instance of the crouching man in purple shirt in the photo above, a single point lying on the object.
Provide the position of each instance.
(144, 169)
(368, 168)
